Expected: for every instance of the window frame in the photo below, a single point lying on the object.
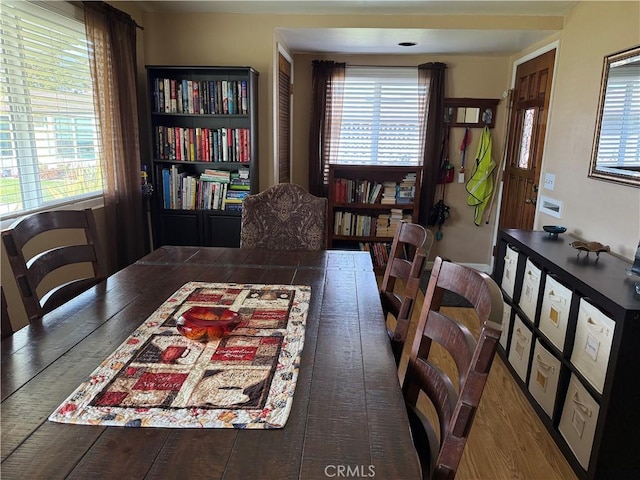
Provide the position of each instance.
(81, 118)
(377, 130)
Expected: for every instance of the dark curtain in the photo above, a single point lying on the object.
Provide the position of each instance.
(326, 116)
(112, 39)
(431, 76)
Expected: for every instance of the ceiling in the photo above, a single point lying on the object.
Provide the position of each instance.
(385, 40)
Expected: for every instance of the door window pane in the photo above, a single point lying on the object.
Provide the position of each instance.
(528, 121)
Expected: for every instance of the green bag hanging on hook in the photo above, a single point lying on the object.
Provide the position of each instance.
(480, 185)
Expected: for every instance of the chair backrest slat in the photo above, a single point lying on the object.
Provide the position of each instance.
(46, 262)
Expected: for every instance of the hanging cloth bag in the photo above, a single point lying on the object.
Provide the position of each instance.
(480, 185)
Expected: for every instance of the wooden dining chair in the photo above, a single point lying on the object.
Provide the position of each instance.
(454, 396)
(284, 217)
(6, 329)
(407, 258)
(54, 240)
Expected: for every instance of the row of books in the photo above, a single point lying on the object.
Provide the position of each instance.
(211, 190)
(356, 191)
(379, 252)
(202, 144)
(354, 224)
(349, 223)
(206, 97)
(364, 191)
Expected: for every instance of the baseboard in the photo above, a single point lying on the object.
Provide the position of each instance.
(482, 267)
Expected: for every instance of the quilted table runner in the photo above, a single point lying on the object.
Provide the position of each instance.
(159, 378)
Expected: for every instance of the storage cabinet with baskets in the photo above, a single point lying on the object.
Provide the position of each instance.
(571, 338)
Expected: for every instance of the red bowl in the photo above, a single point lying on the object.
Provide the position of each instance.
(207, 323)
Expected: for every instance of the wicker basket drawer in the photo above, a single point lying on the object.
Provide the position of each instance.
(592, 344)
(530, 288)
(520, 348)
(554, 314)
(506, 323)
(509, 273)
(578, 421)
(543, 382)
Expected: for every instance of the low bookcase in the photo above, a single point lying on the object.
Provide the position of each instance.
(367, 202)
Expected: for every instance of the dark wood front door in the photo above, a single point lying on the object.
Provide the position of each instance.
(527, 128)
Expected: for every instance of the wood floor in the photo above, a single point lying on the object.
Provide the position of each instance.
(507, 441)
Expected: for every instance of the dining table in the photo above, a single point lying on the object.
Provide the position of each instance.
(347, 417)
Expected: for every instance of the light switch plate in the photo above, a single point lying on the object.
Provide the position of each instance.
(549, 181)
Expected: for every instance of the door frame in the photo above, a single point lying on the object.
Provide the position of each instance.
(536, 53)
(281, 50)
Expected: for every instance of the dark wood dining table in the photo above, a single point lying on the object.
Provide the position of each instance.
(347, 420)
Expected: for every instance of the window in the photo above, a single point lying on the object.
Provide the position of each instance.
(380, 117)
(49, 144)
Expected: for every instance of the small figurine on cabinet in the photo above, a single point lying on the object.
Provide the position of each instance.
(589, 247)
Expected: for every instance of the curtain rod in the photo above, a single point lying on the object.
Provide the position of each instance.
(384, 66)
(398, 66)
(111, 8)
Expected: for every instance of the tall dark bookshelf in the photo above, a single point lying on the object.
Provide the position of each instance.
(201, 119)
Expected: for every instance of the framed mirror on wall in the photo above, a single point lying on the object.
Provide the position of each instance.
(616, 145)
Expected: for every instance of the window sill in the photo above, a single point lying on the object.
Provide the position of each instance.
(94, 202)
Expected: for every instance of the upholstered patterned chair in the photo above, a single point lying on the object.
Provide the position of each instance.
(284, 217)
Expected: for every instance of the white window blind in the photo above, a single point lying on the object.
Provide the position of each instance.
(619, 144)
(380, 117)
(49, 146)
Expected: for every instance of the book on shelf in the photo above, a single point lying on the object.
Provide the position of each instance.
(389, 193)
(243, 97)
(179, 97)
(231, 104)
(211, 175)
(158, 95)
(167, 95)
(406, 192)
(166, 188)
(225, 97)
(173, 105)
(234, 185)
(236, 194)
(375, 193)
(231, 207)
